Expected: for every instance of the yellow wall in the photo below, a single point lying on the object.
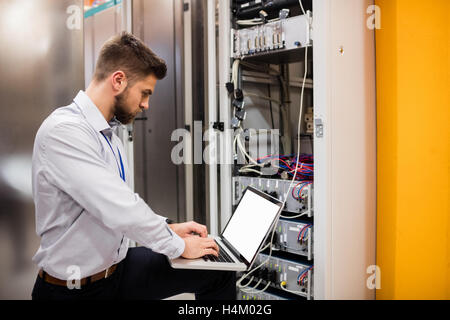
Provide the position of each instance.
(413, 93)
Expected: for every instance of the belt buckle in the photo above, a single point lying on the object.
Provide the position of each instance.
(107, 272)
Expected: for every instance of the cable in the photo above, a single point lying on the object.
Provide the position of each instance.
(251, 94)
(266, 246)
(300, 191)
(260, 291)
(303, 184)
(234, 73)
(303, 231)
(302, 275)
(282, 285)
(301, 6)
(246, 285)
(249, 166)
(250, 170)
(270, 105)
(252, 288)
(265, 288)
(244, 152)
(305, 173)
(249, 22)
(237, 141)
(245, 275)
(307, 233)
(269, 70)
(254, 21)
(297, 216)
(239, 145)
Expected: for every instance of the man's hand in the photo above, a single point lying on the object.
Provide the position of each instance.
(187, 228)
(196, 247)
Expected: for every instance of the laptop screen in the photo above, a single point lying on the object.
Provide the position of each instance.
(250, 223)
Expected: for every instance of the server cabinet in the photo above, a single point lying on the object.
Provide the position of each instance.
(159, 181)
(338, 129)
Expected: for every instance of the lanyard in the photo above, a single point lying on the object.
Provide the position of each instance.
(121, 168)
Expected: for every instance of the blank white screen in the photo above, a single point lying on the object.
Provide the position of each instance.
(249, 223)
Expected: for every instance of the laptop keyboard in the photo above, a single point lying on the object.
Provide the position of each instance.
(223, 256)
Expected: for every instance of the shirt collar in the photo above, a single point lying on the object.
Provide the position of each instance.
(91, 112)
(114, 123)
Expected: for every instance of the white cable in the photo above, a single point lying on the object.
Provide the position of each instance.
(245, 275)
(246, 285)
(267, 245)
(254, 21)
(234, 78)
(297, 216)
(235, 142)
(252, 289)
(250, 22)
(301, 6)
(251, 94)
(250, 166)
(242, 148)
(260, 291)
(250, 170)
(259, 165)
(271, 71)
(234, 73)
(299, 127)
(265, 288)
(264, 248)
(291, 291)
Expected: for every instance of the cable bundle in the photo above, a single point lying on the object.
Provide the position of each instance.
(304, 166)
(301, 277)
(300, 186)
(302, 235)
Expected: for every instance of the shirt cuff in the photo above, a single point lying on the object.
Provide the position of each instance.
(178, 245)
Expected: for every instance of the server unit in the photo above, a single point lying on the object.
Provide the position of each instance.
(299, 197)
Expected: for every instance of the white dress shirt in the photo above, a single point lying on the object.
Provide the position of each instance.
(85, 210)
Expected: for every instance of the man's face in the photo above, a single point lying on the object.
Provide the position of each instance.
(134, 99)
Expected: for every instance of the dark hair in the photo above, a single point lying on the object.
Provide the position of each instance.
(127, 53)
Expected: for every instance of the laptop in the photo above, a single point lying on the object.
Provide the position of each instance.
(243, 236)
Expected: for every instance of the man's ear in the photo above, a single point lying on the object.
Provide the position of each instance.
(119, 82)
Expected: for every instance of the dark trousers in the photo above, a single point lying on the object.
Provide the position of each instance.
(144, 274)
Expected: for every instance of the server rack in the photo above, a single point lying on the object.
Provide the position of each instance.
(337, 134)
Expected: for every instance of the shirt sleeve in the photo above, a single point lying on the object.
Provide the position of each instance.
(75, 165)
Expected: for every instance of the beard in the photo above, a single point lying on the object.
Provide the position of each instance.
(121, 111)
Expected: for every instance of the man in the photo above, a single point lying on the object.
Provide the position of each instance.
(86, 211)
